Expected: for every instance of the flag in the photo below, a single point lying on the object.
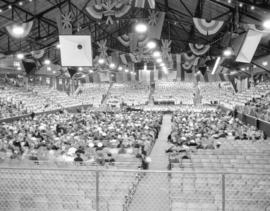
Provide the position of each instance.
(64, 23)
(145, 3)
(156, 21)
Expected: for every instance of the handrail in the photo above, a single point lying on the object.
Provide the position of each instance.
(137, 171)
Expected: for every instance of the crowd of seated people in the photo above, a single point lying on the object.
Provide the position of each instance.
(214, 92)
(130, 94)
(92, 137)
(242, 98)
(91, 93)
(174, 108)
(258, 107)
(202, 130)
(174, 93)
(8, 109)
(56, 97)
(26, 99)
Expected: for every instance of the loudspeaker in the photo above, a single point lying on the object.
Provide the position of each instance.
(245, 46)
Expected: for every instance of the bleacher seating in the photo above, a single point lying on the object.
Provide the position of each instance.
(202, 191)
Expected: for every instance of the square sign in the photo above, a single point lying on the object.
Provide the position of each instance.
(76, 50)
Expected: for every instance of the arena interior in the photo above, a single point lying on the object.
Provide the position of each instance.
(134, 105)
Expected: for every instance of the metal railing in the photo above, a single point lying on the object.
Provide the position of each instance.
(131, 190)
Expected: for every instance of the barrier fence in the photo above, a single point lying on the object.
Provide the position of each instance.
(131, 190)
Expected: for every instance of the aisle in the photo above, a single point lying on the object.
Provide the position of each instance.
(153, 191)
(158, 156)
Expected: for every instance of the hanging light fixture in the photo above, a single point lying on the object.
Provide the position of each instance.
(156, 54)
(47, 62)
(228, 52)
(141, 28)
(101, 61)
(151, 45)
(20, 56)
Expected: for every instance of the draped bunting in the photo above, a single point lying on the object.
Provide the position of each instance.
(142, 3)
(155, 25)
(198, 49)
(128, 58)
(108, 9)
(38, 54)
(64, 23)
(124, 40)
(207, 28)
(26, 28)
(189, 61)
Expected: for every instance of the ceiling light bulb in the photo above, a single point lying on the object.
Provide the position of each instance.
(47, 62)
(126, 70)
(101, 61)
(120, 68)
(49, 68)
(265, 63)
(266, 24)
(228, 52)
(20, 3)
(240, 4)
(20, 56)
(9, 6)
(162, 64)
(151, 45)
(156, 54)
(18, 30)
(140, 28)
(112, 65)
(159, 60)
(252, 7)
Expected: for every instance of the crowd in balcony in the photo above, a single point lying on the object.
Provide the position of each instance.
(174, 93)
(129, 94)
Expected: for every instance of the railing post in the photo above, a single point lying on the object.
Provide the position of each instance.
(223, 192)
(97, 190)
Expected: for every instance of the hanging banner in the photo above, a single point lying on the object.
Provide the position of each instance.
(102, 48)
(145, 3)
(180, 73)
(104, 76)
(207, 27)
(166, 49)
